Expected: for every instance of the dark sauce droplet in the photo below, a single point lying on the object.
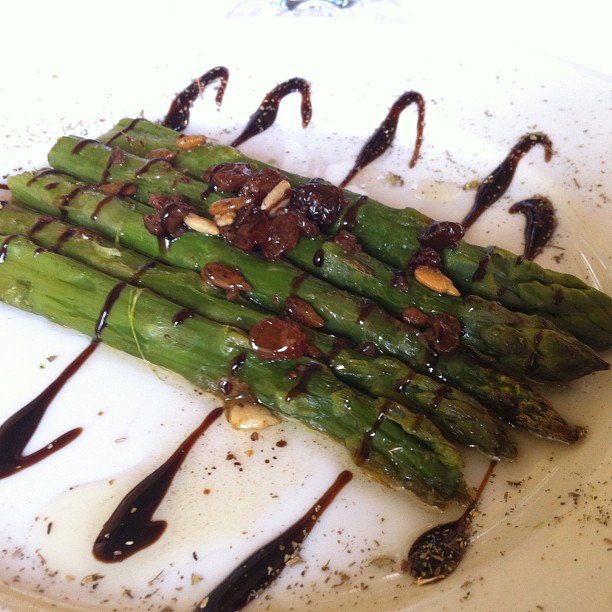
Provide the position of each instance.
(177, 117)
(362, 455)
(495, 185)
(265, 115)
(181, 316)
(307, 372)
(319, 258)
(436, 554)
(258, 571)
(17, 430)
(130, 528)
(350, 215)
(541, 223)
(383, 136)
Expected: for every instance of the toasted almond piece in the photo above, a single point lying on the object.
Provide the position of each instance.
(226, 205)
(185, 142)
(277, 198)
(244, 415)
(225, 219)
(201, 224)
(435, 280)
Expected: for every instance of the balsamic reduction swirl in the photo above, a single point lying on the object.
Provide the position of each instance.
(259, 570)
(266, 113)
(383, 136)
(131, 527)
(17, 430)
(495, 185)
(177, 116)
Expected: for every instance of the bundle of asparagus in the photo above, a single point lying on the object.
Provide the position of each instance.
(392, 235)
(360, 300)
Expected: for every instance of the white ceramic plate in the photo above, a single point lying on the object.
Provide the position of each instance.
(543, 542)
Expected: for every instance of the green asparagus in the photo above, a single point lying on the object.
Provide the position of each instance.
(406, 449)
(272, 283)
(392, 236)
(458, 416)
(516, 344)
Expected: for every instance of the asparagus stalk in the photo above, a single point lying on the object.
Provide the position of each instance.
(406, 449)
(272, 283)
(392, 236)
(458, 416)
(520, 345)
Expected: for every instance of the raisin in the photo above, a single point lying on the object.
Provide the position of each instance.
(278, 338)
(442, 333)
(319, 202)
(441, 235)
(228, 177)
(225, 277)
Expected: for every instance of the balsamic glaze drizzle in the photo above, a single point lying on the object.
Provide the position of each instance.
(17, 430)
(131, 527)
(495, 185)
(258, 571)
(177, 116)
(540, 226)
(383, 136)
(265, 115)
(362, 455)
(436, 553)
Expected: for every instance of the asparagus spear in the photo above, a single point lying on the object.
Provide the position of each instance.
(406, 449)
(272, 283)
(392, 236)
(518, 345)
(457, 415)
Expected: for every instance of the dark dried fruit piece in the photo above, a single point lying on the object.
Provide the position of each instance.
(427, 257)
(278, 338)
(319, 202)
(442, 333)
(168, 220)
(415, 317)
(303, 312)
(228, 178)
(283, 235)
(348, 242)
(441, 235)
(259, 185)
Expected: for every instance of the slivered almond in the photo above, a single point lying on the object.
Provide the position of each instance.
(185, 142)
(433, 279)
(277, 198)
(201, 225)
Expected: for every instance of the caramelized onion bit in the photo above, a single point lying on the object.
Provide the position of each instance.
(278, 338)
(303, 313)
(225, 277)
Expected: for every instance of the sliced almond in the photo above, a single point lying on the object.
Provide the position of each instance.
(433, 279)
(277, 198)
(245, 415)
(201, 225)
(185, 142)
